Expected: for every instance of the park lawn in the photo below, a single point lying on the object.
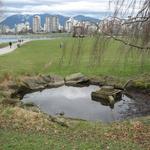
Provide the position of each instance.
(22, 141)
(42, 57)
(22, 129)
(45, 56)
(2, 45)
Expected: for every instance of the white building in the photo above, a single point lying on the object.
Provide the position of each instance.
(22, 27)
(36, 24)
(70, 24)
(4, 29)
(51, 24)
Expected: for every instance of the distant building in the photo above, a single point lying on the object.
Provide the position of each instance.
(4, 29)
(36, 24)
(22, 27)
(69, 26)
(51, 24)
(112, 26)
(80, 28)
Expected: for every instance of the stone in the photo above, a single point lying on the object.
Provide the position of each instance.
(97, 81)
(32, 84)
(74, 77)
(77, 79)
(9, 101)
(107, 95)
(29, 104)
(107, 87)
(56, 81)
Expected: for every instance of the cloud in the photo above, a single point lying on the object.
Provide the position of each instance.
(65, 7)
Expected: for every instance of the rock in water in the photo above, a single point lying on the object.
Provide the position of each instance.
(107, 96)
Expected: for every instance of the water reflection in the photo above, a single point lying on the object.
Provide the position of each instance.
(76, 102)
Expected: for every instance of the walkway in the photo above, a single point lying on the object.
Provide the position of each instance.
(7, 49)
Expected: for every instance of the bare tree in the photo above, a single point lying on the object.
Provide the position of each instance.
(137, 25)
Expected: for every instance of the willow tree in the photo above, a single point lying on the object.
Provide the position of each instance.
(134, 18)
(129, 27)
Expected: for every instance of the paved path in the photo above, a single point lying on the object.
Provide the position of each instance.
(7, 49)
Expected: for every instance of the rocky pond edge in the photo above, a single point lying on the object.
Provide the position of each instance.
(12, 90)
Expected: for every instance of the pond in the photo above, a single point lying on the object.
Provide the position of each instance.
(76, 102)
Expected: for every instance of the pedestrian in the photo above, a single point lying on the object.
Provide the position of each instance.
(61, 45)
(10, 44)
(18, 44)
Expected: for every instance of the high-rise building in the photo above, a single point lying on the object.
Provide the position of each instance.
(51, 24)
(70, 24)
(36, 24)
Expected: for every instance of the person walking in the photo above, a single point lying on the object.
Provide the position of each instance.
(10, 44)
(61, 45)
(18, 44)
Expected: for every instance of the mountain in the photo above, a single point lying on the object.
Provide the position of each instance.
(84, 18)
(16, 19)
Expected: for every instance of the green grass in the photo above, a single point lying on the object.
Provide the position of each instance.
(22, 129)
(2, 45)
(84, 136)
(40, 57)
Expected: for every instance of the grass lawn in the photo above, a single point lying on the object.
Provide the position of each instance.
(24, 141)
(2, 45)
(38, 57)
(22, 130)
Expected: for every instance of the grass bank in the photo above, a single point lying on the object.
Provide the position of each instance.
(23, 129)
(41, 57)
(2, 45)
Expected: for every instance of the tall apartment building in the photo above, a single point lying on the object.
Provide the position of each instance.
(36, 24)
(51, 24)
(70, 24)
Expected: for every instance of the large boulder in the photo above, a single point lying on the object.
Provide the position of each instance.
(107, 81)
(77, 79)
(32, 84)
(107, 96)
(55, 81)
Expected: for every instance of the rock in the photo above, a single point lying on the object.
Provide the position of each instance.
(9, 101)
(74, 77)
(77, 79)
(107, 81)
(107, 95)
(56, 81)
(61, 113)
(32, 84)
(107, 87)
(29, 104)
(97, 81)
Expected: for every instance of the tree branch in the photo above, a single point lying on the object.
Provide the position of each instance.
(127, 43)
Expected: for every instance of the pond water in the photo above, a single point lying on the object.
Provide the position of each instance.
(6, 40)
(76, 103)
(14, 38)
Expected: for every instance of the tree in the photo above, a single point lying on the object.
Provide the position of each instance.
(129, 26)
(136, 24)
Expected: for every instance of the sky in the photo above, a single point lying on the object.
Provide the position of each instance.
(93, 8)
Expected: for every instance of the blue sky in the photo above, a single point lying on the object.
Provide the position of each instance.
(93, 8)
